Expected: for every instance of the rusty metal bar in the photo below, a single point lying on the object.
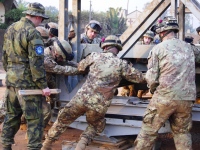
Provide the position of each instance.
(181, 21)
(63, 19)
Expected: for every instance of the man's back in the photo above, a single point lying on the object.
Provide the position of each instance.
(23, 55)
(106, 69)
(175, 61)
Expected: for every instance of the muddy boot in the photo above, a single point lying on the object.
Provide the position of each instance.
(47, 145)
(81, 145)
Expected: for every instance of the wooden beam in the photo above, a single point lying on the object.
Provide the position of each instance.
(37, 92)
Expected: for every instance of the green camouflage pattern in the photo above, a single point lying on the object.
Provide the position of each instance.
(23, 66)
(31, 107)
(2, 109)
(158, 111)
(94, 97)
(171, 70)
(36, 9)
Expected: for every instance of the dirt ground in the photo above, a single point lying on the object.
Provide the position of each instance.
(165, 140)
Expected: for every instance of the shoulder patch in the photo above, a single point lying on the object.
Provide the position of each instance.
(39, 50)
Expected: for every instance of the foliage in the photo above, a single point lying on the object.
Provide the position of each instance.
(52, 12)
(3, 26)
(2, 1)
(22, 4)
(14, 15)
(115, 24)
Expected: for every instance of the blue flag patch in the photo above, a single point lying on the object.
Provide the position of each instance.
(39, 50)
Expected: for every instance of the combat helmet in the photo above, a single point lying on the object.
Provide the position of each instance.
(53, 28)
(149, 34)
(64, 49)
(44, 32)
(95, 25)
(36, 9)
(112, 40)
(168, 23)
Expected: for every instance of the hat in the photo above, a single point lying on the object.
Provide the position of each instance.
(36, 9)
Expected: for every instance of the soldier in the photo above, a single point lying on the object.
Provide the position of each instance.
(171, 77)
(147, 38)
(94, 97)
(44, 33)
(60, 51)
(53, 33)
(23, 59)
(92, 29)
(53, 29)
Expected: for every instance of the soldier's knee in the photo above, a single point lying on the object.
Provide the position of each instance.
(100, 126)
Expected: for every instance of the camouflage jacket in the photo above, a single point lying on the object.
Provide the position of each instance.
(106, 72)
(23, 56)
(85, 39)
(171, 70)
(51, 66)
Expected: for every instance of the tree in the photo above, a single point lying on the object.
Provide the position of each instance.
(115, 24)
(52, 12)
(13, 15)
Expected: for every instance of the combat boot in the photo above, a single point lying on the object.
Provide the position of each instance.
(47, 145)
(81, 145)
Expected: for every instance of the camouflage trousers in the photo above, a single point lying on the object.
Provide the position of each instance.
(31, 107)
(2, 109)
(46, 110)
(158, 111)
(74, 109)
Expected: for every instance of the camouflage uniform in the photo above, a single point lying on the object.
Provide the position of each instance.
(171, 77)
(52, 68)
(94, 97)
(23, 61)
(2, 109)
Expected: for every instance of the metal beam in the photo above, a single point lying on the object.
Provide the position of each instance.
(193, 6)
(144, 21)
(63, 19)
(181, 21)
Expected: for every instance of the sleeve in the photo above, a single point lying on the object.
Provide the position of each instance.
(53, 67)
(153, 70)
(85, 63)
(131, 74)
(36, 60)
